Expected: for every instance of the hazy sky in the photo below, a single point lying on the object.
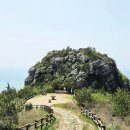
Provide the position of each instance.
(31, 28)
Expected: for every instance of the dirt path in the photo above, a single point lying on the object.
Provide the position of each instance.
(68, 120)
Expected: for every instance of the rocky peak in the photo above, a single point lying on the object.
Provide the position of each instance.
(85, 66)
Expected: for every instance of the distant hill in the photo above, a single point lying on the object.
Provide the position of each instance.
(80, 68)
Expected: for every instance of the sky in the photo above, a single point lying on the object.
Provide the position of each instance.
(30, 28)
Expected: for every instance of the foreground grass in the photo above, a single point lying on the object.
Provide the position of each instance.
(30, 116)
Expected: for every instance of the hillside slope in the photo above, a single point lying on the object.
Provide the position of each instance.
(72, 68)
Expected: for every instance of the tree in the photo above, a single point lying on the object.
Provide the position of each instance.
(8, 112)
(69, 83)
(25, 92)
(56, 83)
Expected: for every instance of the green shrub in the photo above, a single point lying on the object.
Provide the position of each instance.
(48, 88)
(36, 90)
(28, 107)
(25, 92)
(83, 67)
(83, 96)
(100, 96)
(121, 102)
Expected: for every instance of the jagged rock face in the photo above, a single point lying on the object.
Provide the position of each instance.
(85, 66)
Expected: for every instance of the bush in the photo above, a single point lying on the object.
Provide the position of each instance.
(48, 88)
(83, 96)
(36, 90)
(25, 92)
(28, 107)
(121, 102)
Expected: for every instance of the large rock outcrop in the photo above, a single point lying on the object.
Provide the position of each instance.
(84, 67)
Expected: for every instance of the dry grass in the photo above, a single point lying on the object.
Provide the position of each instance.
(102, 106)
(104, 111)
(30, 116)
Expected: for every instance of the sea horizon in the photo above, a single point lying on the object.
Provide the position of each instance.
(16, 77)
